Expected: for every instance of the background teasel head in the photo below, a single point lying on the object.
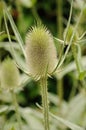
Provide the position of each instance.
(9, 75)
(69, 34)
(41, 51)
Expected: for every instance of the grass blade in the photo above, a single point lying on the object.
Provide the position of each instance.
(67, 123)
(18, 37)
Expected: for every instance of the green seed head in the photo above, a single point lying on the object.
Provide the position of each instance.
(41, 52)
(9, 75)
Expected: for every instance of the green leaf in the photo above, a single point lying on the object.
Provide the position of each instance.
(67, 123)
(17, 34)
(82, 75)
(15, 56)
(32, 117)
(76, 108)
(3, 109)
(70, 67)
(12, 128)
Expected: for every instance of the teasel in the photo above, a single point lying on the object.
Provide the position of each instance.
(75, 47)
(10, 80)
(41, 61)
(70, 33)
(41, 52)
(9, 75)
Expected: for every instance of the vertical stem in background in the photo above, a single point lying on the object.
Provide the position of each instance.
(43, 83)
(59, 18)
(59, 30)
(16, 109)
(60, 91)
(77, 58)
(36, 15)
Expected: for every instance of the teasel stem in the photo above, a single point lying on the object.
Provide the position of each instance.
(16, 109)
(44, 92)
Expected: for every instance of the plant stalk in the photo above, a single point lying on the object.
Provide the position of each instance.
(60, 30)
(60, 92)
(43, 83)
(16, 109)
(59, 18)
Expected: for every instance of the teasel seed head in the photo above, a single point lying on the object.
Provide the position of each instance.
(10, 77)
(40, 51)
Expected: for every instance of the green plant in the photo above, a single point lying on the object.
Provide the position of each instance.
(40, 39)
(10, 81)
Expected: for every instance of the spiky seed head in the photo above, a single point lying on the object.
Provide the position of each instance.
(69, 34)
(9, 75)
(41, 51)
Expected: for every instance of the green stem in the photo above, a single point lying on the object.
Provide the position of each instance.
(78, 64)
(60, 30)
(60, 92)
(16, 109)
(77, 58)
(43, 82)
(0, 23)
(59, 18)
(73, 91)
